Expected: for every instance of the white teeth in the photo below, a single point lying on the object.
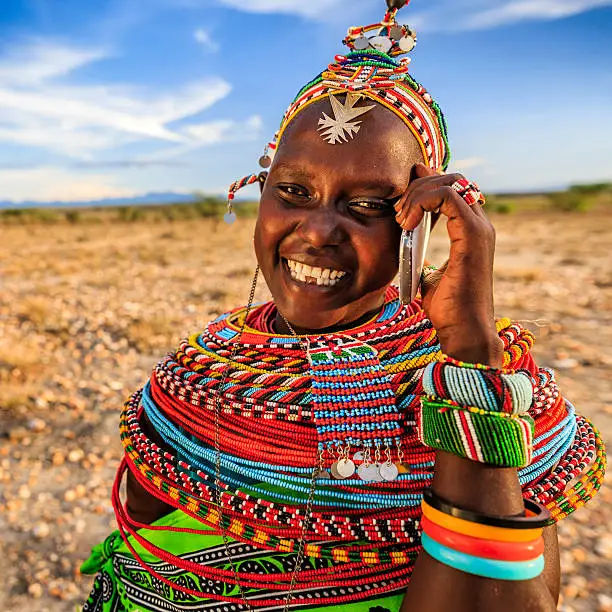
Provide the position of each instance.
(323, 277)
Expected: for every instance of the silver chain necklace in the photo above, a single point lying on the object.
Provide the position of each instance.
(316, 469)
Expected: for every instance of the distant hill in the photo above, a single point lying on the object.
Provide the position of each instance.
(143, 200)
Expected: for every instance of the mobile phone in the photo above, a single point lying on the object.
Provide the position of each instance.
(413, 247)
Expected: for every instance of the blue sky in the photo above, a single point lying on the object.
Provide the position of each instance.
(110, 98)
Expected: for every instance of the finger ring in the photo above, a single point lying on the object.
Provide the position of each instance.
(469, 191)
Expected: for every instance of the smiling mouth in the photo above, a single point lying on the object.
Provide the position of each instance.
(311, 275)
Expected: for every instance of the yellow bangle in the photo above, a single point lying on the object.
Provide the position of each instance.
(476, 530)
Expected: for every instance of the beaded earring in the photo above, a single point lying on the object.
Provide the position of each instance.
(230, 215)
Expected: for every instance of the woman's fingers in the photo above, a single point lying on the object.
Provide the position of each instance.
(427, 188)
(425, 199)
(430, 179)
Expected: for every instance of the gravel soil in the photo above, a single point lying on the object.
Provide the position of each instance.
(86, 310)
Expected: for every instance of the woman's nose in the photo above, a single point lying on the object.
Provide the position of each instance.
(321, 227)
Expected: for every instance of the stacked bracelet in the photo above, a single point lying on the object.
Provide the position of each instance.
(494, 438)
(479, 566)
(480, 386)
(478, 412)
(501, 548)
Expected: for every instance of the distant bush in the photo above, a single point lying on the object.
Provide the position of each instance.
(499, 205)
(14, 214)
(570, 201)
(47, 216)
(209, 207)
(593, 189)
(73, 216)
(505, 208)
(24, 216)
(130, 214)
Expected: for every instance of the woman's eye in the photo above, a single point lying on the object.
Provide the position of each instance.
(293, 190)
(370, 207)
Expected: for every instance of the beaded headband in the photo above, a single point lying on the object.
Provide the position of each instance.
(371, 69)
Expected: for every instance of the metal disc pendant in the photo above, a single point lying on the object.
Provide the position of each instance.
(361, 44)
(396, 32)
(346, 468)
(389, 471)
(407, 43)
(381, 43)
(322, 475)
(358, 456)
(335, 473)
(230, 218)
(265, 161)
(368, 473)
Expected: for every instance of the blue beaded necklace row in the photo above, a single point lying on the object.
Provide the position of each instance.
(250, 475)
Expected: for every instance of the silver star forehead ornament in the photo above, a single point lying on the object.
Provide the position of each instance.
(342, 127)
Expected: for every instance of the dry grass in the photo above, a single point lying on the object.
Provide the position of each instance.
(148, 282)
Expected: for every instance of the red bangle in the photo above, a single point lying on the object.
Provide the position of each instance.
(487, 549)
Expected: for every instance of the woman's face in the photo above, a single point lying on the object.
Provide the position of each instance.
(326, 238)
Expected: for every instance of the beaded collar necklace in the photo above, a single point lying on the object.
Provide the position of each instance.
(367, 528)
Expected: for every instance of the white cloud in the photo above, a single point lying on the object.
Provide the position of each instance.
(47, 183)
(205, 134)
(204, 38)
(522, 10)
(485, 14)
(39, 61)
(441, 15)
(307, 8)
(466, 164)
(39, 108)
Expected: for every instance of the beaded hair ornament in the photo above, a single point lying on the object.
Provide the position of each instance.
(375, 70)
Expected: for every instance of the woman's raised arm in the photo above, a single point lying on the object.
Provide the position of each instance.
(459, 302)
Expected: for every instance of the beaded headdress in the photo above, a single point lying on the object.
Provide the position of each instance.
(375, 68)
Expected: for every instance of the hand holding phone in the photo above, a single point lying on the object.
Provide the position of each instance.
(413, 247)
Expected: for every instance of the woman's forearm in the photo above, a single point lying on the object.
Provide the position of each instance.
(436, 587)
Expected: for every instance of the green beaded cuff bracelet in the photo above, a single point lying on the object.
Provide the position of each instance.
(493, 438)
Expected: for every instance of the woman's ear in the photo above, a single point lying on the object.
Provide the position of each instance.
(261, 179)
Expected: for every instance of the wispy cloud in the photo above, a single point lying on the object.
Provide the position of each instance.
(523, 10)
(486, 14)
(204, 38)
(45, 105)
(466, 164)
(37, 62)
(41, 107)
(122, 164)
(205, 134)
(308, 8)
(444, 15)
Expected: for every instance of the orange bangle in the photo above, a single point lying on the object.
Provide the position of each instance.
(476, 530)
(487, 549)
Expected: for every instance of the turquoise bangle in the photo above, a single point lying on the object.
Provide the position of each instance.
(487, 568)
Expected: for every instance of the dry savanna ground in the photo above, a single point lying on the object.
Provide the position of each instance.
(87, 309)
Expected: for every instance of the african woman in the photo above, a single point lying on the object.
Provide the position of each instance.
(336, 448)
